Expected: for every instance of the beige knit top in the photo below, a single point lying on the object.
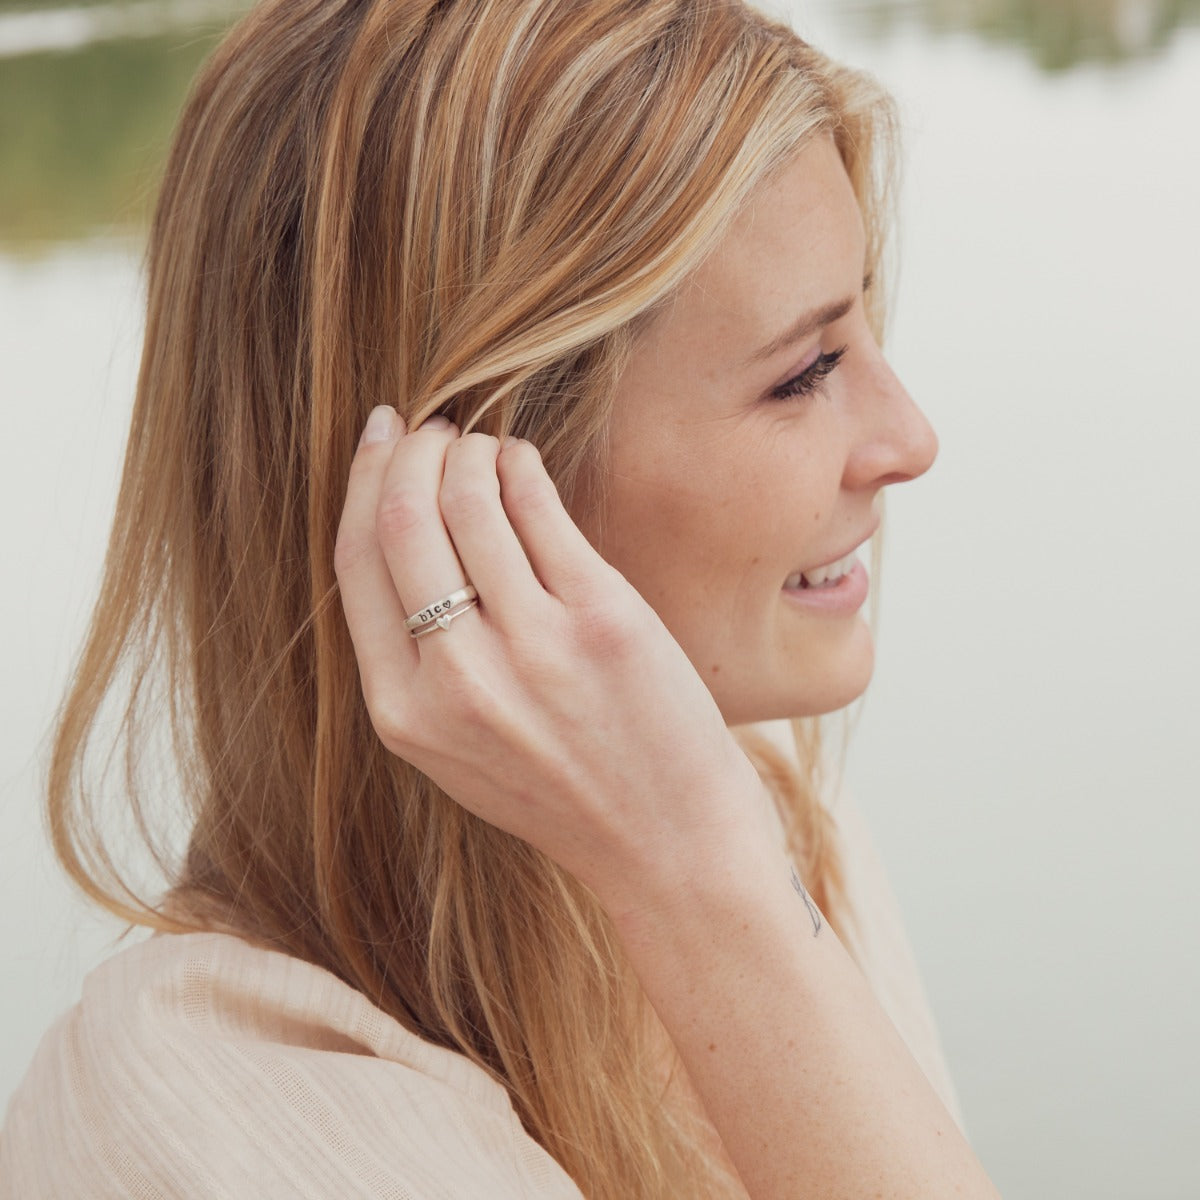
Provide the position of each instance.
(199, 1066)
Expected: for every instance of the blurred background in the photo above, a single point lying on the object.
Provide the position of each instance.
(1027, 754)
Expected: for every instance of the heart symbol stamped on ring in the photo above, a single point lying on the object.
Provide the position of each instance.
(443, 622)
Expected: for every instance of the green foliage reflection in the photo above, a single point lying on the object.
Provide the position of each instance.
(1058, 34)
(83, 134)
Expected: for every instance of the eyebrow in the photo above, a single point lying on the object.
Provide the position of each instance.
(808, 324)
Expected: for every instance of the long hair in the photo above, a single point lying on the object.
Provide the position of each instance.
(459, 206)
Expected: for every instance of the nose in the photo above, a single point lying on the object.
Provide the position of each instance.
(894, 440)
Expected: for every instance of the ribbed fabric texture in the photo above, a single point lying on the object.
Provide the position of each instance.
(199, 1067)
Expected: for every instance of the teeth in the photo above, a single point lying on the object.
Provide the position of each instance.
(820, 575)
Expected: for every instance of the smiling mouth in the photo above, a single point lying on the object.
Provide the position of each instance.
(827, 576)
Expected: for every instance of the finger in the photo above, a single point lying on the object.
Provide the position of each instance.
(421, 558)
(562, 558)
(373, 610)
(487, 544)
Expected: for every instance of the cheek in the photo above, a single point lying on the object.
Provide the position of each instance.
(692, 536)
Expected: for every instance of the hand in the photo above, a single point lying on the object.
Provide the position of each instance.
(560, 709)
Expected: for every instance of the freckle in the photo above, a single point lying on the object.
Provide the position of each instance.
(716, 667)
(816, 516)
(712, 1045)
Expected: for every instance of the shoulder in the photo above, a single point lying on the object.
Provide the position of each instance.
(199, 1065)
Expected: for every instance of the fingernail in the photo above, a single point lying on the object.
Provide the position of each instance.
(380, 425)
(509, 441)
(436, 422)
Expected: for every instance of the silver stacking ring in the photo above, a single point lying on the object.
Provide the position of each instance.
(440, 613)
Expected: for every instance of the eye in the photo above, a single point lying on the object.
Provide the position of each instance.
(810, 379)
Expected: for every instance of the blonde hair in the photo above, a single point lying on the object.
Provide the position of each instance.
(465, 206)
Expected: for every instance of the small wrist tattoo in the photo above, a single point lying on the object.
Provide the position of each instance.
(812, 908)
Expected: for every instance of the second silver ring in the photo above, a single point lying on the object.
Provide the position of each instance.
(443, 620)
(440, 608)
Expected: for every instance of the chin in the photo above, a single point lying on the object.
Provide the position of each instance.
(824, 683)
(842, 681)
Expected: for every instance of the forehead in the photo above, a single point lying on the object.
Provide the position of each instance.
(797, 244)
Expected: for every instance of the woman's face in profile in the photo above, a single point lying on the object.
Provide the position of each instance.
(753, 429)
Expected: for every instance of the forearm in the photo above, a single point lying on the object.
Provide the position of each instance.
(812, 1090)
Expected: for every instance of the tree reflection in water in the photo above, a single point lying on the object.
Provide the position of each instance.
(83, 130)
(1059, 34)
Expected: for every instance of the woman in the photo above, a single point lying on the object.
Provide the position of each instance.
(470, 834)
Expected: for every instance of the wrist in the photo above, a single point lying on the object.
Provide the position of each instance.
(722, 870)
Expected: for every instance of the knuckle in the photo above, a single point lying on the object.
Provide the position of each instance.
(610, 628)
(468, 698)
(460, 678)
(530, 494)
(466, 499)
(470, 683)
(400, 511)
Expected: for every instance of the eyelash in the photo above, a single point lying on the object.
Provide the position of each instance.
(810, 379)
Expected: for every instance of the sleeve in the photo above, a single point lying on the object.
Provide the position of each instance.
(224, 1077)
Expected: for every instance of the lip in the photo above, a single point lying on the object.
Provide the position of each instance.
(846, 596)
(850, 549)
